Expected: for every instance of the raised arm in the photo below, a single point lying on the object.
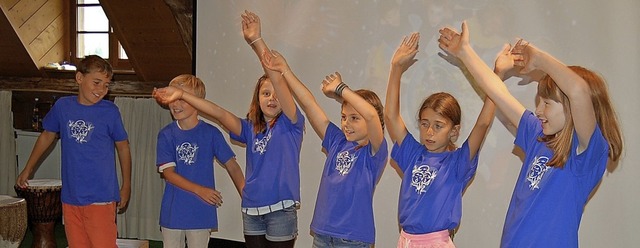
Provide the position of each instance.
(228, 120)
(402, 59)
(575, 87)
(251, 30)
(457, 44)
(333, 86)
(317, 117)
(503, 65)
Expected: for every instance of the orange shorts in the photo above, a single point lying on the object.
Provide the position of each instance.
(91, 225)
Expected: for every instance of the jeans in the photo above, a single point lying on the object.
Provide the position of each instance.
(281, 225)
(324, 241)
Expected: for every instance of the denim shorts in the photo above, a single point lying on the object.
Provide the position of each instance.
(278, 226)
(324, 241)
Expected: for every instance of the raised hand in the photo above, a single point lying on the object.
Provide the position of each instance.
(405, 55)
(274, 61)
(525, 56)
(329, 85)
(250, 26)
(167, 94)
(452, 42)
(504, 62)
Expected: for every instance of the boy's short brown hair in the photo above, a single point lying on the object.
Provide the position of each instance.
(92, 63)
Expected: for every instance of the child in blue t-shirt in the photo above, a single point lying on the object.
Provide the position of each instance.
(272, 133)
(567, 141)
(186, 150)
(90, 130)
(356, 156)
(435, 172)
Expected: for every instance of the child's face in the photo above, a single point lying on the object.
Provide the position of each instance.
(181, 110)
(353, 125)
(551, 115)
(93, 87)
(435, 130)
(268, 101)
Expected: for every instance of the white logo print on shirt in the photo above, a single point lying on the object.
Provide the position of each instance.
(344, 161)
(536, 172)
(260, 145)
(187, 152)
(80, 130)
(422, 176)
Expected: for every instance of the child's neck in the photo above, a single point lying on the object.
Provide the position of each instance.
(187, 124)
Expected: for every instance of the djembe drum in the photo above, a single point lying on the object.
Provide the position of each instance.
(13, 221)
(43, 208)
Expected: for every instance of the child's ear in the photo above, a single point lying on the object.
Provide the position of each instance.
(454, 133)
(79, 77)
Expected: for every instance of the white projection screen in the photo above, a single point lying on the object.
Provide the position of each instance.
(358, 38)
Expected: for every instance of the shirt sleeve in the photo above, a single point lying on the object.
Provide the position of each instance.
(222, 150)
(405, 154)
(529, 129)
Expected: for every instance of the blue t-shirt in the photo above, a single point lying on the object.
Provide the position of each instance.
(547, 202)
(273, 162)
(87, 139)
(432, 185)
(344, 207)
(193, 151)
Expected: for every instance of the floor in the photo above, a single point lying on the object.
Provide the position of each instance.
(61, 240)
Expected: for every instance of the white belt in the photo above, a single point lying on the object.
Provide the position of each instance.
(269, 209)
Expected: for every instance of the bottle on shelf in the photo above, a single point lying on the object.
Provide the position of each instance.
(35, 118)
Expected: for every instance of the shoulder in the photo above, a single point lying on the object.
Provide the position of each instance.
(168, 127)
(208, 127)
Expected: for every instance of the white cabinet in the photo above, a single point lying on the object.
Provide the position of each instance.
(50, 162)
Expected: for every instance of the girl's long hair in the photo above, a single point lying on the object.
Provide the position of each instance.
(255, 114)
(606, 116)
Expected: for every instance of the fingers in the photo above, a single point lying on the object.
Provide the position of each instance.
(465, 30)
(411, 40)
(506, 49)
(249, 17)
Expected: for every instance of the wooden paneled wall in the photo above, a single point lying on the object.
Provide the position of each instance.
(40, 28)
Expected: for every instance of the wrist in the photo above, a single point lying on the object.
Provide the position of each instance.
(340, 88)
(254, 41)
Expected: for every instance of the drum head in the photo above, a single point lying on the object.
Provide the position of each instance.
(35, 183)
(6, 200)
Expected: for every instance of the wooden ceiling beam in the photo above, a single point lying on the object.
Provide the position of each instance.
(151, 36)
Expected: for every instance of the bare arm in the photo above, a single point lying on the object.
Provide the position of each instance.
(251, 30)
(124, 157)
(208, 195)
(364, 108)
(228, 120)
(458, 45)
(503, 65)
(402, 59)
(575, 87)
(234, 171)
(317, 117)
(43, 142)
